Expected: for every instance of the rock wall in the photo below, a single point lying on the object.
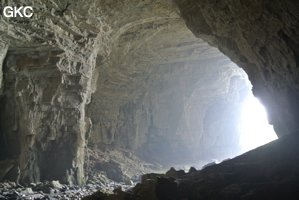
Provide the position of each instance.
(131, 75)
(50, 73)
(3, 51)
(262, 38)
(43, 124)
(48, 82)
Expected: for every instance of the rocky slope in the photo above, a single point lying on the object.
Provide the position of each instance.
(268, 172)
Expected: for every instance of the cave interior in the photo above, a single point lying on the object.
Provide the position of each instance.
(106, 91)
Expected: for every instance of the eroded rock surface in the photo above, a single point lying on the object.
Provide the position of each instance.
(4, 48)
(43, 121)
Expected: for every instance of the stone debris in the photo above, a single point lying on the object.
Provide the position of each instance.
(51, 190)
(153, 186)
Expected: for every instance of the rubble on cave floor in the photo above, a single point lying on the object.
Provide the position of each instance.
(268, 172)
(53, 190)
(108, 168)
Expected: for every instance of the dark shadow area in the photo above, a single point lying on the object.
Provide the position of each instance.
(3, 149)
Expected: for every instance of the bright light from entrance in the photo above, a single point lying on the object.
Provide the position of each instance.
(255, 129)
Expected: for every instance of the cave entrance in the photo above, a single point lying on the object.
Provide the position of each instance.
(235, 123)
(173, 101)
(255, 130)
(219, 119)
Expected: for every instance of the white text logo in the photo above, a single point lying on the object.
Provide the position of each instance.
(15, 11)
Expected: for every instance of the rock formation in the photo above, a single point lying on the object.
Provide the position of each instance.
(79, 75)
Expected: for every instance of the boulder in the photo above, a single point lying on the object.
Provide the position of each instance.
(26, 191)
(96, 196)
(164, 188)
(209, 164)
(171, 173)
(174, 173)
(192, 170)
(56, 185)
(180, 173)
(128, 182)
(150, 176)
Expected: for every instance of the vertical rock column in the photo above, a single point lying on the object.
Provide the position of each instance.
(82, 53)
(46, 92)
(3, 51)
(44, 109)
(72, 96)
(44, 123)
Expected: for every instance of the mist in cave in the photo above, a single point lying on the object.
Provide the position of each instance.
(241, 126)
(255, 130)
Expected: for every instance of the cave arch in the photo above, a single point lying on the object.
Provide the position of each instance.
(249, 33)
